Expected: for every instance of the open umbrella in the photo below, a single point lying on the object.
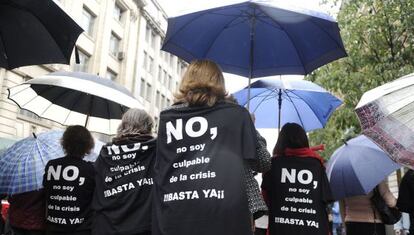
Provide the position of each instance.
(386, 114)
(23, 164)
(276, 102)
(35, 32)
(357, 167)
(256, 38)
(74, 98)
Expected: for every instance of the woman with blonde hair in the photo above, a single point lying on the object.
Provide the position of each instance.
(206, 148)
(124, 179)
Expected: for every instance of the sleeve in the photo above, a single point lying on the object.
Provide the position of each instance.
(45, 175)
(405, 197)
(263, 161)
(266, 182)
(327, 196)
(249, 138)
(386, 194)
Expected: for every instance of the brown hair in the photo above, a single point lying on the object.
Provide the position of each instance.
(77, 141)
(202, 84)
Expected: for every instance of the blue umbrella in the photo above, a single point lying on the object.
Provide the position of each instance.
(357, 167)
(276, 102)
(256, 38)
(23, 164)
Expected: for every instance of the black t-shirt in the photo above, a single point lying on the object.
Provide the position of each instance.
(124, 180)
(298, 192)
(405, 200)
(69, 184)
(199, 185)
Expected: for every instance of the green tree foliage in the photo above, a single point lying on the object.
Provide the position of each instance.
(379, 37)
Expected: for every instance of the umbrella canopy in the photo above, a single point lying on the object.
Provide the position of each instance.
(357, 167)
(35, 32)
(277, 102)
(256, 38)
(73, 98)
(386, 114)
(22, 166)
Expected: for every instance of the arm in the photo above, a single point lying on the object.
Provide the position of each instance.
(262, 163)
(386, 194)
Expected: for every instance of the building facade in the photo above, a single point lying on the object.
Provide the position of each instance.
(121, 42)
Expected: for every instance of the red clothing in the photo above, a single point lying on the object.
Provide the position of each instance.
(27, 210)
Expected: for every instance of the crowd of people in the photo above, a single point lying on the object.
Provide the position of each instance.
(195, 177)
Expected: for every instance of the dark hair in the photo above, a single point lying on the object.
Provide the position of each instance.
(77, 141)
(292, 136)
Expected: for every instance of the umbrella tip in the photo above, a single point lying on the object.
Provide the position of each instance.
(34, 135)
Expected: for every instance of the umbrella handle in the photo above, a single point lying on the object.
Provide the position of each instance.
(34, 135)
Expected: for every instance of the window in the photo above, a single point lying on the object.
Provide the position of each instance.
(166, 57)
(83, 65)
(178, 67)
(118, 12)
(170, 82)
(148, 92)
(142, 88)
(153, 39)
(145, 62)
(150, 68)
(158, 99)
(172, 61)
(114, 43)
(148, 34)
(159, 73)
(163, 101)
(87, 21)
(111, 75)
(164, 79)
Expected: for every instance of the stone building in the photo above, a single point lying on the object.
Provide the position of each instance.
(121, 42)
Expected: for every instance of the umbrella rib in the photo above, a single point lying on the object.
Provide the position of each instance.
(51, 102)
(308, 106)
(38, 94)
(216, 37)
(284, 30)
(294, 106)
(71, 109)
(189, 22)
(264, 99)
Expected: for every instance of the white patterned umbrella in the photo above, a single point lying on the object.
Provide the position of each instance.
(386, 114)
(74, 98)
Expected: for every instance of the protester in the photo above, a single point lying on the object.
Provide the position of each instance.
(361, 217)
(405, 200)
(69, 183)
(2, 219)
(122, 198)
(27, 213)
(203, 144)
(296, 188)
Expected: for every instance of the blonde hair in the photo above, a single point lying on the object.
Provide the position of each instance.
(202, 84)
(135, 122)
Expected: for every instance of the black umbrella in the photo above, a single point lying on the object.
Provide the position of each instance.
(35, 32)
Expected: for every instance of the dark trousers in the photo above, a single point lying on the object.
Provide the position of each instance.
(356, 228)
(260, 231)
(20, 231)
